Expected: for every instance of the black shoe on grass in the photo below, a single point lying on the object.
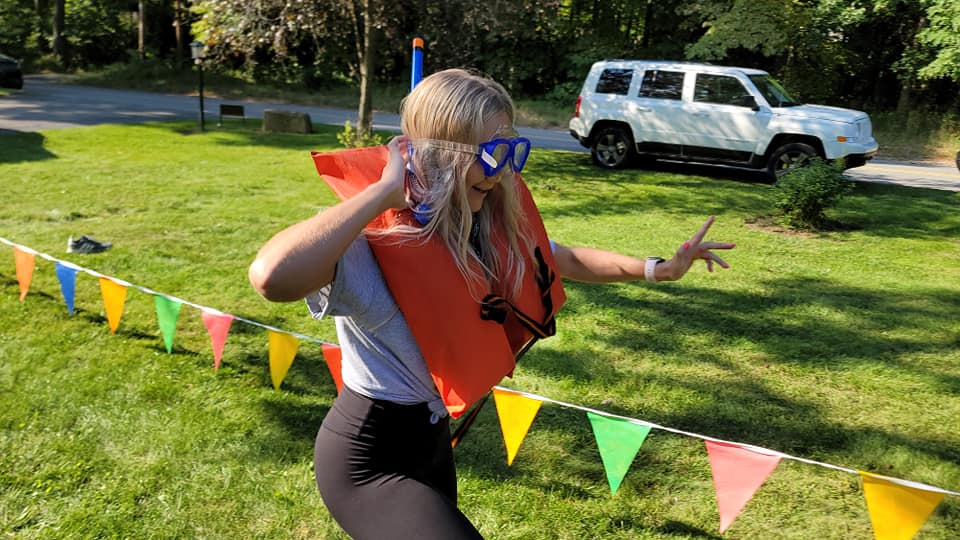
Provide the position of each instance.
(86, 244)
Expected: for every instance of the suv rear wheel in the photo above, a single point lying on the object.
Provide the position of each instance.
(613, 148)
(789, 156)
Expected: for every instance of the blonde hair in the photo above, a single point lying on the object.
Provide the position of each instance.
(455, 105)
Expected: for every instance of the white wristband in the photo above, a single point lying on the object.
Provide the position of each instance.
(650, 269)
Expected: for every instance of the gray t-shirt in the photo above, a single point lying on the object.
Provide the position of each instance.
(381, 359)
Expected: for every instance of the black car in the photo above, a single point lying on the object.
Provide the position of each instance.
(10, 74)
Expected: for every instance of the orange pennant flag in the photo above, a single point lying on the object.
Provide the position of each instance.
(24, 263)
(516, 413)
(218, 325)
(283, 348)
(114, 297)
(898, 508)
(332, 354)
(738, 472)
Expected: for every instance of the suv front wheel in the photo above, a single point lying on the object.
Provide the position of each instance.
(789, 156)
(613, 148)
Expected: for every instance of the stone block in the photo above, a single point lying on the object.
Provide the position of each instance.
(277, 121)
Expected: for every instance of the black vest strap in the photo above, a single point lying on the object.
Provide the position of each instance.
(495, 308)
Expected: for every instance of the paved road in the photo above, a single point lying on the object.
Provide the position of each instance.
(46, 103)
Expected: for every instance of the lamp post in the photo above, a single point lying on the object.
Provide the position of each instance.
(196, 52)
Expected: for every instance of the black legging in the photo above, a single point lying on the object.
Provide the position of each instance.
(385, 472)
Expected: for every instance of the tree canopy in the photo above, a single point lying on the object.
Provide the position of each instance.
(867, 53)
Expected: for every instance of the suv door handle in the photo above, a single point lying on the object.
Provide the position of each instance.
(701, 114)
(644, 109)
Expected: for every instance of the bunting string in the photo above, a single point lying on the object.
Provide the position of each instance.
(897, 507)
(757, 449)
(152, 292)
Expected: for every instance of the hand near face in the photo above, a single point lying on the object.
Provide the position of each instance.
(392, 177)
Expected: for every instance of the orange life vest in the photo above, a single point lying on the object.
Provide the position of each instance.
(468, 347)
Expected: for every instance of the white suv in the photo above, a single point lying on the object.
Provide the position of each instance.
(710, 114)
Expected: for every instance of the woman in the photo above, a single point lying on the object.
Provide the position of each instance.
(437, 273)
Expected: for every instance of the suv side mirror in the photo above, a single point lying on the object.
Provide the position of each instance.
(747, 100)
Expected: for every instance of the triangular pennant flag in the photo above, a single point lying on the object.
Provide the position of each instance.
(68, 284)
(516, 413)
(619, 441)
(168, 311)
(24, 262)
(898, 508)
(738, 473)
(283, 347)
(114, 296)
(332, 354)
(218, 325)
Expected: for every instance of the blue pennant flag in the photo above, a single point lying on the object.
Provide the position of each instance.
(68, 283)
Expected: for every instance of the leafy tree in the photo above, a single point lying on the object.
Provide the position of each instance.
(942, 37)
(19, 25)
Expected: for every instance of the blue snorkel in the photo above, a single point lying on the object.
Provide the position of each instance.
(421, 210)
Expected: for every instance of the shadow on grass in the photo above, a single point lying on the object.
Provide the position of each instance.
(808, 340)
(297, 409)
(18, 147)
(901, 212)
(567, 184)
(677, 528)
(323, 138)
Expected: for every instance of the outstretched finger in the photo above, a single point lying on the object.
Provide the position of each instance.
(714, 259)
(697, 238)
(717, 245)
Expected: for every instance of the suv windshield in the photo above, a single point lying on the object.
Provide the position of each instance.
(775, 94)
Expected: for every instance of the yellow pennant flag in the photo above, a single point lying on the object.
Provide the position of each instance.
(898, 508)
(114, 296)
(283, 347)
(516, 413)
(24, 263)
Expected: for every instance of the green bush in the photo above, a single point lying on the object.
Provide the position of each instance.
(803, 194)
(351, 138)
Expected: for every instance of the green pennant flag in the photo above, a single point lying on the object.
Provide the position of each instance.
(618, 441)
(167, 313)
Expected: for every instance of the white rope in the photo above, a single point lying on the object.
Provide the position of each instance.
(752, 448)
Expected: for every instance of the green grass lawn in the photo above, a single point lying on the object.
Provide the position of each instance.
(840, 347)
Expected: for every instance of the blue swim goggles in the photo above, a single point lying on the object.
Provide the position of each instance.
(493, 155)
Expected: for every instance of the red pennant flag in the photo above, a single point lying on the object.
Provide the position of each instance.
(218, 325)
(738, 473)
(24, 262)
(332, 354)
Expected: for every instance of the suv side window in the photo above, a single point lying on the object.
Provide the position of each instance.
(720, 89)
(662, 84)
(615, 81)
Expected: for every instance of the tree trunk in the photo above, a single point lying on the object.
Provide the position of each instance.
(178, 32)
(647, 18)
(903, 101)
(367, 56)
(59, 43)
(141, 13)
(42, 8)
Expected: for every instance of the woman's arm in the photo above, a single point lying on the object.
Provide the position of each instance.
(302, 258)
(596, 265)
